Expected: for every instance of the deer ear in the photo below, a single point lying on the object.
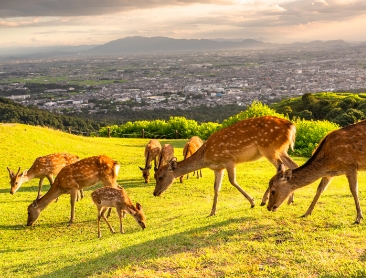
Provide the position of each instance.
(281, 168)
(24, 173)
(141, 168)
(138, 206)
(172, 164)
(35, 204)
(11, 173)
(286, 175)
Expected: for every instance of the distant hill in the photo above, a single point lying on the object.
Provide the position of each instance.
(138, 45)
(164, 44)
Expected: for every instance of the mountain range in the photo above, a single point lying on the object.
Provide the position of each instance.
(137, 44)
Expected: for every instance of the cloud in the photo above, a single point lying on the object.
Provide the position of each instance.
(25, 8)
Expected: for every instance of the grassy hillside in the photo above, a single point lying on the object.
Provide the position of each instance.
(180, 241)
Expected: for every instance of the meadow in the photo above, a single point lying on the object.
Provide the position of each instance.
(180, 240)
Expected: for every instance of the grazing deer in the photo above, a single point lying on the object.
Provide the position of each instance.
(244, 141)
(108, 197)
(43, 167)
(83, 173)
(166, 154)
(341, 152)
(152, 151)
(190, 148)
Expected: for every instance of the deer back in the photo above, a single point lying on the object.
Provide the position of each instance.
(251, 139)
(89, 171)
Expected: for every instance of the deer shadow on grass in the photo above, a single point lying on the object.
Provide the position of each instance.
(188, 241)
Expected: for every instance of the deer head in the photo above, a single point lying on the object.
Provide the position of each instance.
(165, 177)
(139, 215)
(16, 180)
(146, 173)
(33, 213)
(280, 187)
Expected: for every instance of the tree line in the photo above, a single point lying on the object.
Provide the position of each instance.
(11, 112)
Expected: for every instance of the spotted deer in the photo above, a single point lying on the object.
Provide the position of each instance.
(341, 152)
(152, 151)
(43, 167)
(81, 174)
(190, 148)
(244, 141)
(109, 197)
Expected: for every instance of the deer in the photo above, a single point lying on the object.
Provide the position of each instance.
(109, 197)
(43, 167)
(190, 148)
(341, 152)
(152, 151)
(166, 154)
(244, 141)
(81, 174)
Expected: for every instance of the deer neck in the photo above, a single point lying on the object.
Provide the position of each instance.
(49, 197)
(191, 164)
(27, 175)
(308, 173)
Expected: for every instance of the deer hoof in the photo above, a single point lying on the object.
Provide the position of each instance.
(263, 204)
(252, 206)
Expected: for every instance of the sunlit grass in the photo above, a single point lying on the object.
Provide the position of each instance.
(180, 240)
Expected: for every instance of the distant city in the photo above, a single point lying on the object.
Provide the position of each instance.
(170, 80)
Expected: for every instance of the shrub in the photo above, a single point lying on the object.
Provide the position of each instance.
(309, 134)
(256, 109)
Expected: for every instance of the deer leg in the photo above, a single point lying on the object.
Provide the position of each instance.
(98, 222)
(40, 188)
(291, 165)
(232, 178)
(109, 212)
(80, 195)
(120, 215)
(200, 173)
(219, 174)
(73, 197)
(105, 219)
(353, 186)
(325, 181)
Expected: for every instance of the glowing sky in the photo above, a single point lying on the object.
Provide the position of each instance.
(80, 22)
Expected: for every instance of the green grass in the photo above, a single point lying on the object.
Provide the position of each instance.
(180, 241)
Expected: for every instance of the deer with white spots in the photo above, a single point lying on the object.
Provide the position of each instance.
(43, 167)
(81, 174)
(152, 151)
(341, 152)
(190, 148)
(109, 197)
(244, 141)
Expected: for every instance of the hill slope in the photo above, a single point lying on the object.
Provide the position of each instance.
(179, 241)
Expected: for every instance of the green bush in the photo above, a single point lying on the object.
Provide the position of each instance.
(256, 109)
(309, 134)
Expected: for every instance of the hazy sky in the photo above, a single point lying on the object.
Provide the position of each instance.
(79, 22)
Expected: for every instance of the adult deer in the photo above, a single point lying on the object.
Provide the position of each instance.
(341, 152)
(83, 173)
(166, 154)
(244, 141)
(190, 148)
(43, 167)
(152, 151)
(108, 197)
